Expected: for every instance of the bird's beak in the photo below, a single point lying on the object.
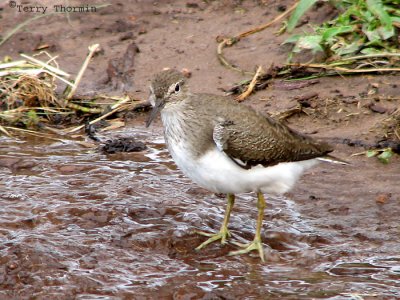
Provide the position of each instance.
(158, 106)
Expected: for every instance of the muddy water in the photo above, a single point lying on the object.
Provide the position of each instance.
(77, 224)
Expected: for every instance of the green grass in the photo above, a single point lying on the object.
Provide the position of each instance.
(360, 27)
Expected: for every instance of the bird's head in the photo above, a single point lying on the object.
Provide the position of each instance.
(165, 89)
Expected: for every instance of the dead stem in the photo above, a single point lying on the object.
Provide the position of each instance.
(386, 54)
(34, 133)
(345, 70)
(251, 86)
(231, 41)
(92, 50)
(92, 110)
(52, 69)
(283, 115)
(262, 27)
(2, 129)
(118, 106)
(397, 134)
(223, 60)
(27, 88)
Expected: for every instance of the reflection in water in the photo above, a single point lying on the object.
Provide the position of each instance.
(76, 223)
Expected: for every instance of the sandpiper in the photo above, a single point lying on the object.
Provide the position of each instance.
(229, 148)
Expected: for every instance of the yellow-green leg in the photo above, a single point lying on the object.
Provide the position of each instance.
(223, 233)
(256, 244)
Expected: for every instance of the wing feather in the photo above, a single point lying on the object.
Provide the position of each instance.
(260, 140)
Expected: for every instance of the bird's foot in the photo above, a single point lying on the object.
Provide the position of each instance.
(254, 245)
(222, 235)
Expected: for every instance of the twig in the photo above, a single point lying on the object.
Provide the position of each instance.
(397, 134)
(46, 66)
(370, 56)
(283, 115)
(117, 108)
(346, 70)
(2, 129)
(16, 72)
(262, 27)
(55, 72)
(92, 110)
(251, 86)
(222, 59)
(359, 153)
(119, 102)
(231, 41)
(34, 133)
(33, 72)
(13, 64)
(92, 50)
(373, 64)
(58, 110)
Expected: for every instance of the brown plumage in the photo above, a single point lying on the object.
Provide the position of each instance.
(245, 135)
(220, 144)
(161, 82)
(251, 137)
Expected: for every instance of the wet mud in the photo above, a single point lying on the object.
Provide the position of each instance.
(79, 223)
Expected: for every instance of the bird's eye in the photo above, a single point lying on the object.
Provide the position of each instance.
(177, 88)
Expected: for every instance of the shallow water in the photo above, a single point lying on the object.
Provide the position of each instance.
(78, 224)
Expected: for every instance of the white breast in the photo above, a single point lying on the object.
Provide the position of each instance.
(216, 172)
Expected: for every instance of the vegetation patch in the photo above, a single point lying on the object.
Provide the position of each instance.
(29, 101)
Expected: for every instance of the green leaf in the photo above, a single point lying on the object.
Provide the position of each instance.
(385, 156)
(361, 25)
(309, 42)
(292, 40)
(299, 11)
(371, 153)
(349, 48)
(395, 19)
(372, 35)
(385, 32)
(32, 115)
(31, 119)
(334, 31)
(368, 17)
(376, 44)
(378, 9)
(370, 50)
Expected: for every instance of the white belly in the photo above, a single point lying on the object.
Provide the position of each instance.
(216, 172)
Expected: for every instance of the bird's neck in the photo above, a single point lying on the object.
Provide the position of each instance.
(182, 124)
(176, 119)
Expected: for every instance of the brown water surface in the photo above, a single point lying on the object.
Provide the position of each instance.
(77, 224)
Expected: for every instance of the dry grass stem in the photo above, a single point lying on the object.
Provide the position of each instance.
(92, 50)
(117, 107)
(231, 41)
(46, 66)
(251, 86)
(28, 98)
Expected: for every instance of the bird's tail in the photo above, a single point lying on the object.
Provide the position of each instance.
(333, 159)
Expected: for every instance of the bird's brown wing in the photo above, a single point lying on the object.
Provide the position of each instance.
(257, 139)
